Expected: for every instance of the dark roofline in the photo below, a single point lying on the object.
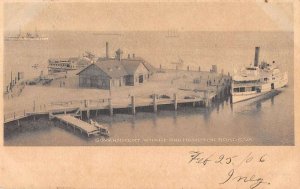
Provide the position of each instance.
(84, 69)
(97, 67)
(141, 61)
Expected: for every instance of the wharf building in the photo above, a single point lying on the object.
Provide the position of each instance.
(111, 72)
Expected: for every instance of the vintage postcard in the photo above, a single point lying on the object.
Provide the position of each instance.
(98, 75)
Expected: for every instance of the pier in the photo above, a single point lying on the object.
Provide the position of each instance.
(133, 102)
(201, 89)
(89, 129)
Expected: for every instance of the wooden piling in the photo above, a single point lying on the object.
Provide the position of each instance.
(111, 112)
(88, 114)
(175, 101)
(206, 99)
(154, 103)
(133, 104)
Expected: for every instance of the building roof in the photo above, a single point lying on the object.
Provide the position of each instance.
(149, 66)
(112, 68)
(116, 69)
(131, 65)
(59, 60)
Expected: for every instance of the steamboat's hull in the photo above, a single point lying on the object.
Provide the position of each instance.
(266, 89)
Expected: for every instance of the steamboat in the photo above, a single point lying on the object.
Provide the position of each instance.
(257, 80)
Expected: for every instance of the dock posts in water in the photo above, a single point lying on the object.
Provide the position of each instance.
(133, 105)
(154, 103)
(88, 114)
(175, 101)
(111, 111)
(206, 99)
(86, 104)
(34, 106)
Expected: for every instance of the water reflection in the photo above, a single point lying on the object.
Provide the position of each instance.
(133, 122)
(258, 105)
(206, 114)
(175, 118)
(188, 122)
(154, 119)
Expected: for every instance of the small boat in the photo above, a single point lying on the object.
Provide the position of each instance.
(172, 34)
(102, 130)
(256, 81)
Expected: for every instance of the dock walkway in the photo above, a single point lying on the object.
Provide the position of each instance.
(89, 129)
(66, 107)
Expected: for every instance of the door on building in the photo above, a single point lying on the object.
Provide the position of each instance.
(141, 79)
(272, 86)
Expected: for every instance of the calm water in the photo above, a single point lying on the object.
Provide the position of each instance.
(269, 121)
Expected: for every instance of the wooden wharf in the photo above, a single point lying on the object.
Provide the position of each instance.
(66, 111)
(89, 129)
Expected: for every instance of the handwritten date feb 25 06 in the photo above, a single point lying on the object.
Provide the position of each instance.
(235, 161)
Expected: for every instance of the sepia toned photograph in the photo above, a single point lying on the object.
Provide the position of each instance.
(148, 74)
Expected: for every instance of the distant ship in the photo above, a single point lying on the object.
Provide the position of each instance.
(172, 33)
(257, 80)
(26, 37)
(107, 33)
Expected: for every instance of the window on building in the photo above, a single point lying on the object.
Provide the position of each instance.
(236, 90)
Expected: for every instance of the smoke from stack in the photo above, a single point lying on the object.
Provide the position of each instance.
(119, 53)
(256, 58)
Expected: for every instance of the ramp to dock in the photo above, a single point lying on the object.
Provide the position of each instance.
(81, 125)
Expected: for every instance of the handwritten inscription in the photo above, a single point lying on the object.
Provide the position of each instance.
(235, 161)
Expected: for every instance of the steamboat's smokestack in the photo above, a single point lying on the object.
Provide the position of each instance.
(256, 58)
(107, 54)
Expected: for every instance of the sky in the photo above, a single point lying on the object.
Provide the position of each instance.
(204, 16)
